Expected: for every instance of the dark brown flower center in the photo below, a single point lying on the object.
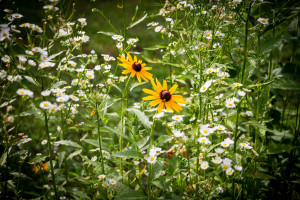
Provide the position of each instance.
(165, 95)
(137, 66)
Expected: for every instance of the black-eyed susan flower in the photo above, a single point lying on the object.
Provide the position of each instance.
(164, 97)
(135, 67)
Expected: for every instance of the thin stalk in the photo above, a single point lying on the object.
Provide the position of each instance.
(50, 155)
(124, 22)
(245, 44)
(99, 138)
(122, 122)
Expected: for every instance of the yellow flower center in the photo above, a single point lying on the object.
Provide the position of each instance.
(152, 158)
(263, 20)
(205, 131)
(225, 166)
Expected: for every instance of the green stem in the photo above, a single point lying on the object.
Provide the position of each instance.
(50, 155)
(245, 44)
(99, 138)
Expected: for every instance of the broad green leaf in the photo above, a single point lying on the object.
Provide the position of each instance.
(141, 117)
(109, 130)
(163, 139)
(69, 143)
(129, 154)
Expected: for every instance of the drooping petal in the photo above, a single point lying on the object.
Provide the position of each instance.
(175, 106)
(126, 71)
(167, 104)
(133, 73)
(138, 77)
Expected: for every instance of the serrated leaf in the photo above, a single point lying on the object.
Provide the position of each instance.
(141, 117)
(69, 143)
(129, 154)
(108, 129)
(278, 148)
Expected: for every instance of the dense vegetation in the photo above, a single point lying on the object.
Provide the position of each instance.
(149, 100)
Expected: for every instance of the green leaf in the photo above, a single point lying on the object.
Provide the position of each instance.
(61, 157)
(6, 103)
(107, 33)
(278, 148)
(270, 44)
(285, 84)
(58, 84)
(69, 143)
(75, 153)
(108, 129)
(142, 142)
(141, 117)
(129, 154)
(163, 139)
(31, 80)
(136, 85)
(37, 159)
(131, 195)
(20, 175)
(137, 22)
(92, 142)
(80, 194)
(54, 55)
(156, 171)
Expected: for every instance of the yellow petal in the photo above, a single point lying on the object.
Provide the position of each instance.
(155, 102)
(135, 59)
(129, 58)
(160, 107)
(150, 92)
(165, 87)
(158, 85)
(173, 88)
(150, 98)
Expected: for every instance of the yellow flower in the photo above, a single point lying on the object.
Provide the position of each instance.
(164, 97)
(135, 67)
